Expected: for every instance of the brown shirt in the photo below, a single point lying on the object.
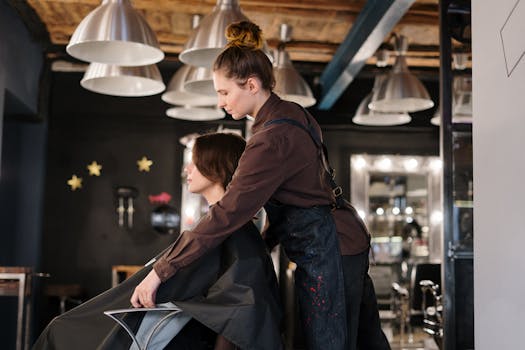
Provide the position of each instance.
(280, 162)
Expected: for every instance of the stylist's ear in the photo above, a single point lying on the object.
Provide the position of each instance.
(253, 85)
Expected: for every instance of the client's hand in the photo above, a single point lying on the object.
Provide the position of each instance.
(144, 294)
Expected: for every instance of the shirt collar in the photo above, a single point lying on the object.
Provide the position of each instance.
(265, 112)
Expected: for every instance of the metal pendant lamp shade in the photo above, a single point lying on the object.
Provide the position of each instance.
(200, 81)
(401, 91)
(195, 113)
(208, 39)
(114, 33)
(461, 102)
(177, 94)
(365, 116)
(289, 84)
(456, 119)
(123, 81)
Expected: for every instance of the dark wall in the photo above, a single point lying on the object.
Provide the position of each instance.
(81, 237)
(21, 142)
(21, 59)
(22, 163)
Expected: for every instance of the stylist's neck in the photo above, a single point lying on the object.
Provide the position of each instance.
(260, 99)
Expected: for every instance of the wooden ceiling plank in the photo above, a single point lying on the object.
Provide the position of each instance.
(319, 26)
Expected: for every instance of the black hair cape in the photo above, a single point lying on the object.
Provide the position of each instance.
(231, 290)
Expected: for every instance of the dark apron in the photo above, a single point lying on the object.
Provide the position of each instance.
(361, 303)
(309, 239)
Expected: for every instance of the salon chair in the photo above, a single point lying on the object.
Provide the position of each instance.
(408, 299)
(120, 273)
(67, 295)
(142, 344)
(16, 281)
(432, 310)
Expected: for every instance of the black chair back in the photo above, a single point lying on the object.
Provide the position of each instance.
(424, 271)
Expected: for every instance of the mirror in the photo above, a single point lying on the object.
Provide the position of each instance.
(399, 199)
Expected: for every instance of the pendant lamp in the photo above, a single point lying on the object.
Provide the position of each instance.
(177, 94)
(195, 113)
(208, 39)
(461, 102)
(114, 33)
(401, 91)
(123, 81)
(191, 85)
(289, 84)
(200, 81)
(456, 119)
(365, 116)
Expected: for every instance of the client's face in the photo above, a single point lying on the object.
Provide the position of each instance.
(197, 183)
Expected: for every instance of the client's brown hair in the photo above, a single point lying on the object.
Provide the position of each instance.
(216, 155)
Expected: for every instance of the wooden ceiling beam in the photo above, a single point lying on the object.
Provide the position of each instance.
(319, 26)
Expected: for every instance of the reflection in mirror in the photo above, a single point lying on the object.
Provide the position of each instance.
(399, 197)
(398, 211)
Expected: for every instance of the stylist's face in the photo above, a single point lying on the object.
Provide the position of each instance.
(237, 100)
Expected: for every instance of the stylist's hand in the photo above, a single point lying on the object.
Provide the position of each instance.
(144, 294)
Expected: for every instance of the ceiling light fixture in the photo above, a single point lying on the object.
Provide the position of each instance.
(123, 81)
(365, 116)
(401, 91)
(461, 102)
(208, 39)
(115, 33)
(289, 84)
(200, 81)
(178, 94)
(191, 85)
(195, 113)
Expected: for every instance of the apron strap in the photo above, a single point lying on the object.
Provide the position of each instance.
(336, 189)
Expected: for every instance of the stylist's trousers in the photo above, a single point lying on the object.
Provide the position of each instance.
(364, 325)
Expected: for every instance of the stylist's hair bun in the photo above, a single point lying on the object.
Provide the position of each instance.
(244, 35)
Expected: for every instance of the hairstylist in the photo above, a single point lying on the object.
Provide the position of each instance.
(281, 170)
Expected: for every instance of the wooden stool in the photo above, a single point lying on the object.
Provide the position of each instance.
(16, 281)
(121, 273)
(65, 292)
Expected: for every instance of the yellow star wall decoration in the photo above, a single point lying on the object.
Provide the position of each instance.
(75, 182)
(144, 164)
(94, 168)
